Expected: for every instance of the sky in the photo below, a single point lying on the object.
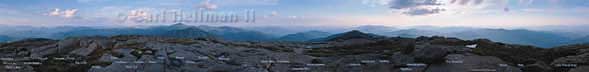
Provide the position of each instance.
(333, 13)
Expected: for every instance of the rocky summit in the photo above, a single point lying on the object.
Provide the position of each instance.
(338, 53)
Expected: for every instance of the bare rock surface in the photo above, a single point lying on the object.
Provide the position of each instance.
(351, 54)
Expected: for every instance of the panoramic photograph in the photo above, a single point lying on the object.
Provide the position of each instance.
(294, 35)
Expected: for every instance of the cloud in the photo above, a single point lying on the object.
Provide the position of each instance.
(416, 7)
(431, 7)
(403, 4)
(374, 3)
(137, 15)
(214, 4)
(247, 2)
(526, 2)
(91, 1)
(463, 2)
(206, 4)
(422, 11)
(55, 12)
(67, 13)
(466, 2)
(478, 2)
(274, 13)
(70, 13)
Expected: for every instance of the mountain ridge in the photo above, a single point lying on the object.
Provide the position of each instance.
(514, 36)
(304, 36)
(584, 40)
(4, 38)
(176, 30)
(354, 34)
(517, 36)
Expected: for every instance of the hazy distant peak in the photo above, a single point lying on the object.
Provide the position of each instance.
(179, 24)
(354, 34)
(4, 38)
(175, 26)
(315, 31)
(375, 28)
(305, 36)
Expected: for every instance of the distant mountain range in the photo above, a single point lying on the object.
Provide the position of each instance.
(375, 29)
(232, 33)
(176, 30)
(543, 39)
(354, 34)
(581, 40)
(515, 36)
(4, 38)
(304, 36)
(518, 36)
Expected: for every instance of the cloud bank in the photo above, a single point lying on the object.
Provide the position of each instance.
(67, 13)
(206, 4)
(416, 7)
(432, 7)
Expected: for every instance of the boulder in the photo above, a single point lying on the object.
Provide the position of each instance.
(430, 54)
(580, 69)
(399, 58)
(472, 63)
(538, 66)
(85, 51)
(44, 50)
(578, 59)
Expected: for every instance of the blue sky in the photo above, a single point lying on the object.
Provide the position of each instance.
(469, 13)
